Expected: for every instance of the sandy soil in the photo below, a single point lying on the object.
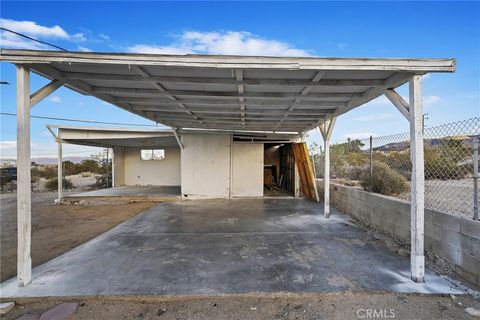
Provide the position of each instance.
(57, 229)
(258, 306)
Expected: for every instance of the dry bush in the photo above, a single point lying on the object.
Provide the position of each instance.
(385, 180)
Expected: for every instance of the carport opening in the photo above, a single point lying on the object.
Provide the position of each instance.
(278, 170)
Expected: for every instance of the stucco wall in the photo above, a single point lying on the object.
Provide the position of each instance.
(214, 167)
(164, 172)
(206, 165)
(247, 170)
(454, 238)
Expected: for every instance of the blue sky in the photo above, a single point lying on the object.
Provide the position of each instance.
(340, 29)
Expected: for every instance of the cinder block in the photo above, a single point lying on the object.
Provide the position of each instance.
(469, 263)
(428, 216)
(402, 207)
(446, 221)
(428, 243)
(403, 221)
(402, 233)
(476, 247)
(387, 226)
(470, 227)
(470, 277)
(445, 251)
(451, 238)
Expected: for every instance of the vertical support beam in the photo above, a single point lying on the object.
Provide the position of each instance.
(60, 172)
(24, 226)
(113, 167)
(108, 149)
(326, 129)
(417, 258)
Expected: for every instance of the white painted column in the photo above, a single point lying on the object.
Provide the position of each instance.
(326, 178)
(113, 167)
(60, 173)
(326, 129)
(24, 226)
(417, 258)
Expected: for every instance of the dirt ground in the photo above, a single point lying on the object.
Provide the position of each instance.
(260, 306)
(57, 229)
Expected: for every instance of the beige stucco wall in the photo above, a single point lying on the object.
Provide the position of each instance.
(136, 171)
(213, 167)
(247, 170)
(206, 165)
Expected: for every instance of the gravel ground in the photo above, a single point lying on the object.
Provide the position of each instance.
(260, 306)
(57, 229)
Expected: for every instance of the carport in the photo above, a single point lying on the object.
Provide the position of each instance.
(268, 94)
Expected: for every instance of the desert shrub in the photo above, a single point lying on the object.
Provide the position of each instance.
(52, 184)
(440, 165)
(354, 172)
(385, 180)
(101, 181)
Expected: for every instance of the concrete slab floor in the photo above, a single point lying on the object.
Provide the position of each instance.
(132, 191)
(228, 246)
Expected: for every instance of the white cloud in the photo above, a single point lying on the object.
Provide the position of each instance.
(374, 117)
(104, 36)
(84, 49)
(55, 99)
(426, 76)
(342, 45)
(359, 135)
(227, 42)
(34, 30)
(429, 100)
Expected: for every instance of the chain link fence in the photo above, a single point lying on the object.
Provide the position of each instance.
(382, 165)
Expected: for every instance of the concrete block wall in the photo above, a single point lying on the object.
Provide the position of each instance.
(455, 239)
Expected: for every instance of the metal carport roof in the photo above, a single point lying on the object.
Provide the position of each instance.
(227, 92)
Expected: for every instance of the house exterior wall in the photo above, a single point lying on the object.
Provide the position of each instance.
(247, 170)
(210, 162)
(136, 171)
(455, 239)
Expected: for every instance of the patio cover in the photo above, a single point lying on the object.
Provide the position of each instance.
(237, 93)
(227, 92)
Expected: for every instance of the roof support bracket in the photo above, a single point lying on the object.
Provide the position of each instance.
(44, 92)
(177, 136)
(398, 102)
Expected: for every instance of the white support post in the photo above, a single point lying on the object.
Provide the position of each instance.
(326, 129)
(24, 217)
(417, 257)
(60, 172)
(113, 167)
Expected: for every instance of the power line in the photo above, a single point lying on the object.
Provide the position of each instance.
(80, 120)
(33, 39)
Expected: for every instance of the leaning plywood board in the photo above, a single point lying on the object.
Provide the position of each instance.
(305, 170)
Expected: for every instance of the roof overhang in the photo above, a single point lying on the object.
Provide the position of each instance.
(154, 138)
(114, 137)
(227, 92)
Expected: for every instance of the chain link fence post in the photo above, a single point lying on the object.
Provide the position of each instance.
(371, 163)
(475, 179)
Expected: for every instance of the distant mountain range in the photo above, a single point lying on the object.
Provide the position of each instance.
(45, 160)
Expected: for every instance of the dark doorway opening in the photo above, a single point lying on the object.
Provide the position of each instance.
(279, 170)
